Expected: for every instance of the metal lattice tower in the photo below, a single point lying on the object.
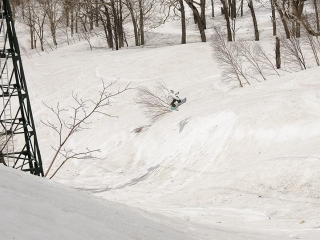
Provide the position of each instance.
(18, 140)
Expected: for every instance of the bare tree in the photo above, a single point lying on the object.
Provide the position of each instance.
(199, 18)
(315, 5)
(142, 14)
(292, 53)
(28, 18)
(311, 43)
(173, 9)
(225, 8)
(249, 53)
(229, 56)
(212, 8)
(39, 18)
(54, 10)
(105, 19)
(130, 6)
(265, 61)
(273, 18)
(70, 124)
(283, 18)
(278, 53)
(254, 19)
(293, 11)
(257, 59)
(154, 102)
(183, 22)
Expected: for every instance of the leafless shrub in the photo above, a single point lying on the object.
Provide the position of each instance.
(264, 59)
(76, 120)
(229, 56)
(257, 59)
(249, 54)
(316, 43)
(293, 49)
(312, 43)
(292, 53)
(154, 102)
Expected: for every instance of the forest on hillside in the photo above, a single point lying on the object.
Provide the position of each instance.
(119, 24)
(118, 20)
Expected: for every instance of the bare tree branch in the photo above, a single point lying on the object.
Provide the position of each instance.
(77, 120)
(154, 102)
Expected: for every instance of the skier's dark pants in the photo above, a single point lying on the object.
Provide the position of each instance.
(174, 100)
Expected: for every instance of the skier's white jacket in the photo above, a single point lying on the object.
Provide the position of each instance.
(172, 96)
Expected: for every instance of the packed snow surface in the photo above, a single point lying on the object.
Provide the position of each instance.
(232, 163)
(244, 160)
(34, 208)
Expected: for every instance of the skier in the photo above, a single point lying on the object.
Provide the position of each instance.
(173, 98)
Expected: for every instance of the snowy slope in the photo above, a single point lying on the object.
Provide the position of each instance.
(34, 208)
(231, 164)
(245, 159)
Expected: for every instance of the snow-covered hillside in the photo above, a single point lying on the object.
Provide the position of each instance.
(234, 164)
(35, 208)
(245, 159)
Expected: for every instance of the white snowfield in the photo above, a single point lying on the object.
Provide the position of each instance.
(243, 161)
(231, 164)
(35, 208)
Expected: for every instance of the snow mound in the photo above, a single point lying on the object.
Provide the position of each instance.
(35, 208)
(243, 159)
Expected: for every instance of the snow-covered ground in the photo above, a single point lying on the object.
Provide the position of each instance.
(35, 208)
(230, 164)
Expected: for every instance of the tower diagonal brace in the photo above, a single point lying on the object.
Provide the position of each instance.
(19, 146)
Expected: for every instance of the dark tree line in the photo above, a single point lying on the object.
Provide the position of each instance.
(119, 20)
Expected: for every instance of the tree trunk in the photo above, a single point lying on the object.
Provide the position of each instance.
(254, 19)
(317, 14)
(31, 38)
(77, 17)
(203, 13)
(35, 40)
(120, 26)
(31, 28)
(141, 23)
(278, 54)
(201, 25)
(96, 13)
(72, 22)
(53, 33)
(91, 19)
(115, 27)
(109, 27)
(233, 10)
(183, 23)
(23, 9)
(212, 8)
(67, 12)
(241, 7)
(284, 22)
(298, 5)
(226, 15)
(274, 22)
(195, 19)
(134, 22)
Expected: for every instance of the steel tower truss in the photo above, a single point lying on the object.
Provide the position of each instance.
(18, 140)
